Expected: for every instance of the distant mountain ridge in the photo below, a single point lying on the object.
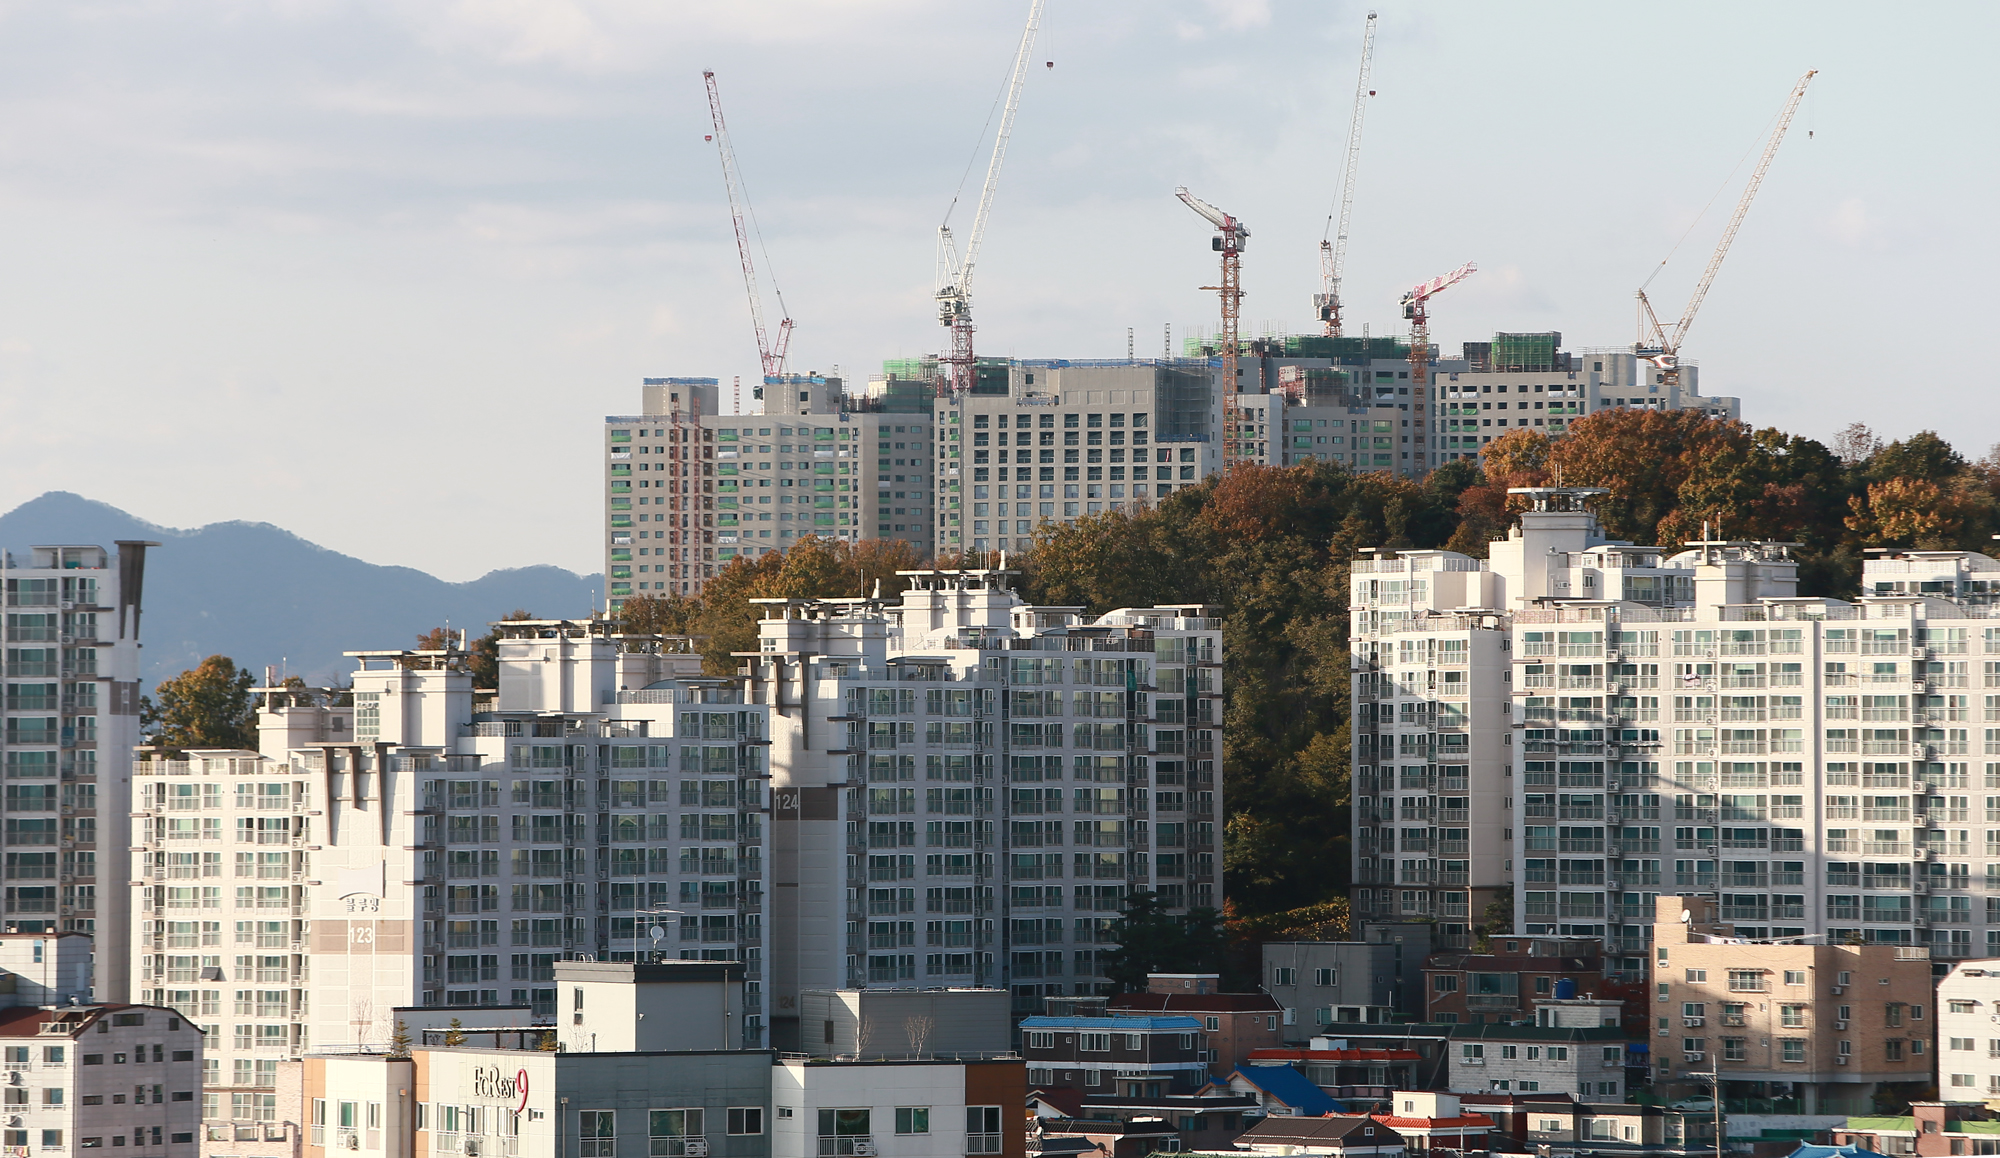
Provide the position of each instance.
(262, 595)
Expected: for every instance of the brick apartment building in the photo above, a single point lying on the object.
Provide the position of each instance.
(1232, 1024)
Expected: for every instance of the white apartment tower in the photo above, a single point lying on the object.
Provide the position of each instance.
(687, 490)
(71, 716)
(1066, 440)
(966, 788)
(416, 842)
(1586, 724)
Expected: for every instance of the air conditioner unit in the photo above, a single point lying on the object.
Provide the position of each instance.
(1693, 1022)
(1694, 1057)
(697, 1147)
(1841, 1060)
(67, 605)
(471, 1145)
(864, 1147)
(353, 1142)
(1839, 989)
(1839, 1026)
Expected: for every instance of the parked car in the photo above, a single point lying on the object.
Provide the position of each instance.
(1699, 1105)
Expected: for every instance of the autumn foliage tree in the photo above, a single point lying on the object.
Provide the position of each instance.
(207, 706)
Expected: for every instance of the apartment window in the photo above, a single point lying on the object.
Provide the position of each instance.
(1792, 1049)
(746, 1120)
(1093, 1042)
(1792, 1016)
(913, 1119)
(1283, 976)
(982, 1129)
(1327, 977)
(1964, 1043)
(1697, 975)
(1212, 1024)
(1795, 977)
(597, 1134)
(1892, 1050)
(1445, 983)
(840, 1130)
(670, 1131)
(1041, 1039)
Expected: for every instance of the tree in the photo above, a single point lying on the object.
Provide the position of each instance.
(399, 1040)
(658, 614)
(437, 639)
(454, 1033)
(1152, 940)
(207, 706)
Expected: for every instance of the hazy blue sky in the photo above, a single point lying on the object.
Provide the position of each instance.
(375, 270)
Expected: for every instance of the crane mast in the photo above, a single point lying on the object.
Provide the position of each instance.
(772, 355)
(954, 293)
(1657, 342)
(1230, 240)
(1333, 253)
(1416, 307)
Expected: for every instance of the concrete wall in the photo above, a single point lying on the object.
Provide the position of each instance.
(959, 1021)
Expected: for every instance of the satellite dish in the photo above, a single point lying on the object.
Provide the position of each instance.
(1687, 917)
(656, 933)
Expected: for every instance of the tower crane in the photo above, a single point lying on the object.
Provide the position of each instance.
(1661, 345)
(1230, 240)
(1333, 253)
(771, 354)
(954, 292)
(1416, 307)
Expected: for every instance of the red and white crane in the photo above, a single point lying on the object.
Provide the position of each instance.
(1662, 345)
(1416, 307)
(770, 353)
(954, 292)
(1230, 240)
(1333, 251)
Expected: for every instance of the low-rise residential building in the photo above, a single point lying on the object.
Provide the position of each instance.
(1280, 1091)
(1131, 1054)
(1574, 1047)
(1340, 1134)
(1472, 988)
(1565, 1125)
(503, 1102)
(1233, 1024)
(1815, 1028)
(1323, 985)
(1930, 1128)
(1343, 1073)
(898, 1109)
(1968, 1032)
(1428, 1120)
(872, 1024)
(90, 1076)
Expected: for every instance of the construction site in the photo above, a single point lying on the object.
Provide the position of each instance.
(964, 451)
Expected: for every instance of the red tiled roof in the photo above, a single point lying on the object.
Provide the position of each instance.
(1463, 1120)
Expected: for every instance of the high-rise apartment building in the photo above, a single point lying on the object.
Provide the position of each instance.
(414, 842)
(1581, 725)
(967, 788)
(688, 490)
(71, 719)
(1058, 440)
(1522, 381)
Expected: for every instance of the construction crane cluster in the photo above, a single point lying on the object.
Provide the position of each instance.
(957, 364)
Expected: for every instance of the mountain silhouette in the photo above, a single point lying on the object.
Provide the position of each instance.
(263, 596)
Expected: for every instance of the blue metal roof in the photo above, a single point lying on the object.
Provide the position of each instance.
(1289, 1086)
(1118, 1023)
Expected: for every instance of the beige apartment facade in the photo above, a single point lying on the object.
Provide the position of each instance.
(1822, 1025)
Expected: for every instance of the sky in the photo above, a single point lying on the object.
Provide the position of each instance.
(375, 270)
